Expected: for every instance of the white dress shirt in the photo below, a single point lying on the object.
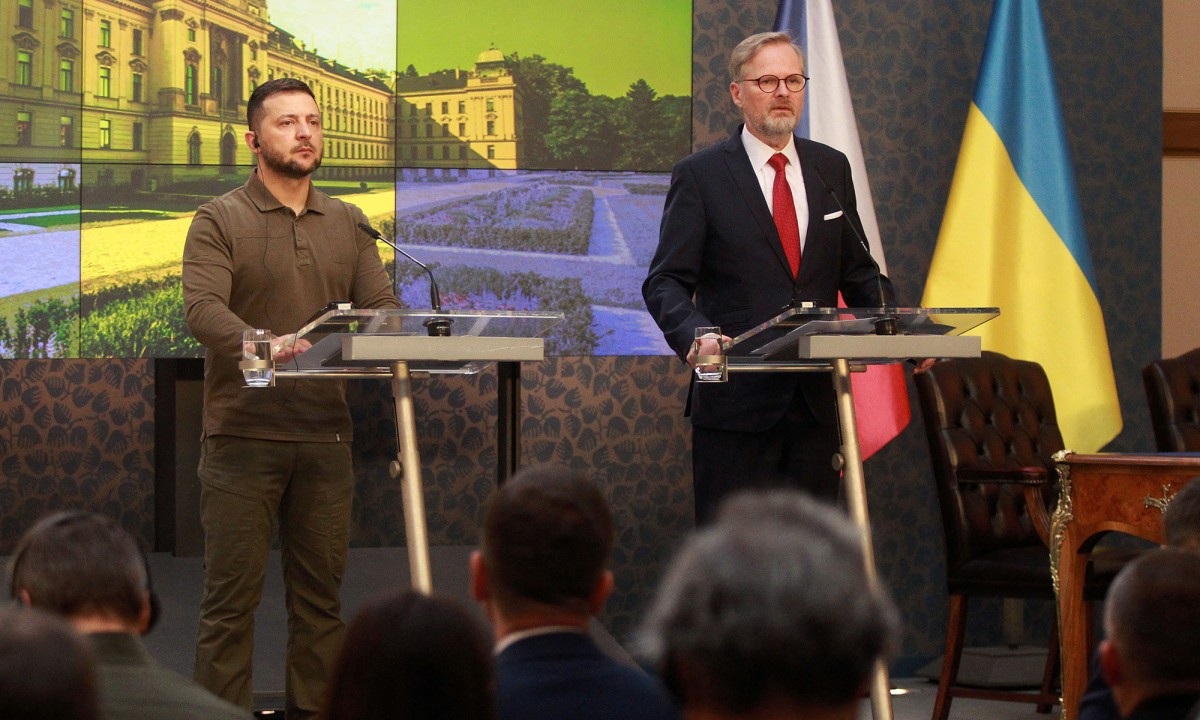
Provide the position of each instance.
(760, 153)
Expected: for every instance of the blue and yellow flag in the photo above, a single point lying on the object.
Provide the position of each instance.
(1013, 235)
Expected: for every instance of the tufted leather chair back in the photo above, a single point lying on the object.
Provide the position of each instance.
(987, 414)
(1173, 392)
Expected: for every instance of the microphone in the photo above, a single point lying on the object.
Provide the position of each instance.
(437, 326)
(887, 324)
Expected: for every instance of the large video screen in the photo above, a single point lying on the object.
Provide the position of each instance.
(520, 150)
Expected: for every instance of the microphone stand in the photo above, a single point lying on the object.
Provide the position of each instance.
(435, 326)
(887, 323)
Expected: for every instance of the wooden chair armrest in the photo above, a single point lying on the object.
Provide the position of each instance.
(1036, 476)
(1034, 481)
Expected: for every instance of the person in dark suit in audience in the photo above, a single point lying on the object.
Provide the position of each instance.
(412, 657)
(47, 671)
(87, 569)
(1181, 528)
(541, 573)
(1151, 655)
(763, 221)
(768, 614)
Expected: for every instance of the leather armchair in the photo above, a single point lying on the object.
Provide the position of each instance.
(1173, 393)
(992, 429)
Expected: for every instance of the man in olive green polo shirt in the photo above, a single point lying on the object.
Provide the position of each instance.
(269, 255)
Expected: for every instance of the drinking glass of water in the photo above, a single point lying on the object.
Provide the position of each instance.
(710, 362)
(258, 369)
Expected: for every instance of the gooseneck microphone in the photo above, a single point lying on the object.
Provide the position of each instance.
(887, 324)
(437, 326)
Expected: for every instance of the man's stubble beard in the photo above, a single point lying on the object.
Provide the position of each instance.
(289, 168)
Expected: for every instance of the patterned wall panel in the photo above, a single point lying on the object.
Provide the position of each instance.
(456, 419)
(76, 434)
(618, 418)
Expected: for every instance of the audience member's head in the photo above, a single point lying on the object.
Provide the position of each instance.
(1151, 614)
(769, 611)
(46, 668)
(1181, 521)
(84, 567)
(547, 535)
(414, 657)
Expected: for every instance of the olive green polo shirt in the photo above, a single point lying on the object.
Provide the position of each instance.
(251, 262)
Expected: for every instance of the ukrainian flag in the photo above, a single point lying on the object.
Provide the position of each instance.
(1013, 234)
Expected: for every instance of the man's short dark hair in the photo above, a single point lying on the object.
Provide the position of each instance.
(266, 90)
(79, 564)
(47, 671)
(771, 603)
(547, 535)
(1151, 614)
(1181, 521)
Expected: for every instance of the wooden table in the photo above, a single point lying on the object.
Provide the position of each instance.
(1099, 493)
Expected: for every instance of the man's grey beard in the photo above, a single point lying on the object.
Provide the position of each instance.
(779, 125)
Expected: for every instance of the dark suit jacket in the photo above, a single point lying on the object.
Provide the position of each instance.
(1168, 707)
(1097, 702)
(565, 676)
(719, 262)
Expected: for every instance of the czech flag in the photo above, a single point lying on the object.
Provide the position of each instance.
(880, 393)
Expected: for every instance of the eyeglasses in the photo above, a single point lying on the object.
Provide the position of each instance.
(768, 83)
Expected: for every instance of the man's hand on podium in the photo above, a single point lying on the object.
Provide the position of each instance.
(922, 364)
(286, 347)
(708, 345)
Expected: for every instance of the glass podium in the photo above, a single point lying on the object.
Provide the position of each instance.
(354, 342)
(397, 344)
(869, 335)
(839, 341)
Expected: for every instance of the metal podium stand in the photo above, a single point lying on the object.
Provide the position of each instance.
(842, 340)
(396, 344)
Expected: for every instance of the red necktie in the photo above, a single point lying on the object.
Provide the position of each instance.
(784, 210)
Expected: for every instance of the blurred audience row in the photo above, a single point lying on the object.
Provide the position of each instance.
(766, 613)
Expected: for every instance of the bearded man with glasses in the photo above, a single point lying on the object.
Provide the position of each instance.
(761, 222)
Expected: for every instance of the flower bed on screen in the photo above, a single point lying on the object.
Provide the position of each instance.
(473, 288)
(539, 217)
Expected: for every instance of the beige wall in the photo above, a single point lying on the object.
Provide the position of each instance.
(1181, 181)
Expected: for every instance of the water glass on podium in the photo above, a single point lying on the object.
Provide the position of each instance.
(710, 367)
(258, 369)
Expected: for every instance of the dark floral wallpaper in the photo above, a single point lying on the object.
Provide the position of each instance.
(80, 433)
(619, 418)
(76, 434)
